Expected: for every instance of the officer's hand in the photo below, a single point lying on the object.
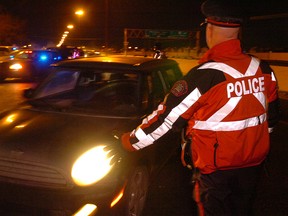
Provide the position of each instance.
(115, 151)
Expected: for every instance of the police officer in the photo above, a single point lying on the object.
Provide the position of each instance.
(228, 104)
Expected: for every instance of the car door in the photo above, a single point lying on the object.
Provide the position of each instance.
(168, 144)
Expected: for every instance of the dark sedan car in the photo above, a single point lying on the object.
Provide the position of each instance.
(61, 149)
(27, 64)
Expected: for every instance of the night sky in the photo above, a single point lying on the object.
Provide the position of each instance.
(46, 20)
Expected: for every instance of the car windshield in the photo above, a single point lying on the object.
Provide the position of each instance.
(106, 92)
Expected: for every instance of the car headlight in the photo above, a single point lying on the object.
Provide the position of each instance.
(16, 66)
(91, 166)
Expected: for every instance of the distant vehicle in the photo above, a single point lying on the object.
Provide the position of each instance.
(6, 50)
(68, 52)
(61, 151)
(27, 64)
(91, 53)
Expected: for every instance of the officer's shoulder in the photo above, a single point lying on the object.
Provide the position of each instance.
(201, 70)
(264, 65)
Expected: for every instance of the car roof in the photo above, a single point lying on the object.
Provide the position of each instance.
(118, 62)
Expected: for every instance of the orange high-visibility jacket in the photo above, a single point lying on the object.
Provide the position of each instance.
(228, 104)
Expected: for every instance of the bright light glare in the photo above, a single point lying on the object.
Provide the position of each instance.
(92, 166)
(70, 26)
(20, 126)
(43, 57)
(10, 118)
(16, 66)
(79, 12)
(86, 210)
(117, 198)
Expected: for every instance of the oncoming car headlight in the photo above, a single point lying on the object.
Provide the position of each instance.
(91, 166)
(16, 66)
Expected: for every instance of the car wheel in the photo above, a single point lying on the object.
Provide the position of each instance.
(136, 192)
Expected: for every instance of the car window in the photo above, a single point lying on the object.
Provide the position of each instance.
(95, 91)
(61, 82)
(162, 81)
(171, 75)
(109, 91)
(158, 87)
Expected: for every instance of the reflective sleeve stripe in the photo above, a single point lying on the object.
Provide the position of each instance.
(231, 125)
(154, 113)
(146, 140)
(175, 113)
(251, 70)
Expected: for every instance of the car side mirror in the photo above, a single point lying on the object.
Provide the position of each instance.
(28, 93)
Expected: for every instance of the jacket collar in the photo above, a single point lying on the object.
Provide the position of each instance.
(230, 49)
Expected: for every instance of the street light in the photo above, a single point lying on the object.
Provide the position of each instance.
(79, 12)
(70, 26)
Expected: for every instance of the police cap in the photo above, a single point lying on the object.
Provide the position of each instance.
(225, 13)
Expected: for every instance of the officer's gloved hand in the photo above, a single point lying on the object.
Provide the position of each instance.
(115, 151)
(126, 144)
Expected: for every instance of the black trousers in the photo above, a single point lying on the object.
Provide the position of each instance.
(229, 192)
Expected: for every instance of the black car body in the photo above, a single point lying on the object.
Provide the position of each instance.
(81, 109)
(27, 64)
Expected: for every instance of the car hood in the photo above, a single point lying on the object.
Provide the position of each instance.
(56, 138)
